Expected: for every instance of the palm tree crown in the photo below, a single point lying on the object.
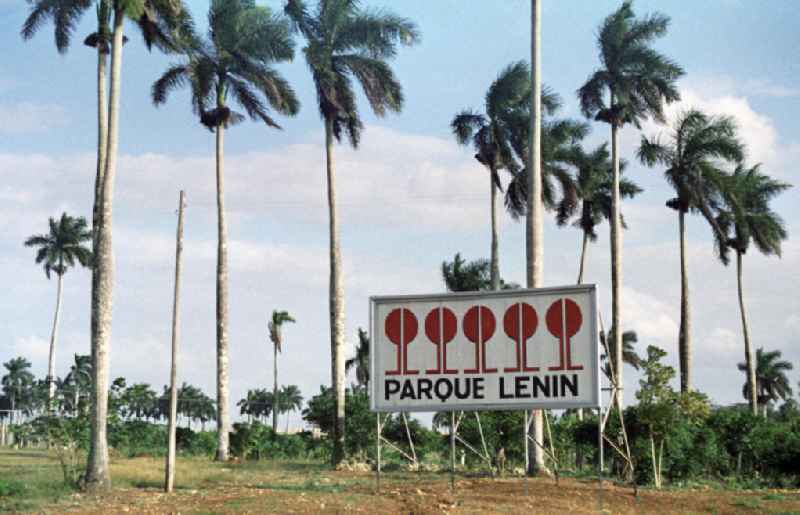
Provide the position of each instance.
(17, 379)
(634, 80)
(344, 43)
(748, 217)
(276, 322)
(692, 157)
(63, 246)
(771, 381)
(361, 360)
(629, 355)
(244, 41)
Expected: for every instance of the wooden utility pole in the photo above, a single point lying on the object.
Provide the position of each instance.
(173, 379)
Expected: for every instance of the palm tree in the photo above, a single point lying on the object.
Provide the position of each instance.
(748, 217)
(490, 135)
(244, 41)
(57, 251)
(158, 20)
(693, 157)
(459, 275)
(17, 380)
(290, 400)
(629, 355)
(346, 43)
(771, 381)
(275, 324)
(593, 183)
(361, 360)
(79, 378)
(633, 83)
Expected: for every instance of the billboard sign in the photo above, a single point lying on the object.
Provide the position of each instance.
(512, 349)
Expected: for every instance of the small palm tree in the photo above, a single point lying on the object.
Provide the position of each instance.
(236, 62)
(748, 218)
(491, 136)
(79, 378)
(629, 355)
(697, 148)
(633, 83)
(361, 360)
(17, 380)
(594, 182)
(275, 325)
(290, 400)
(346, 43)
(459, 275)
(58, 250)
(771, 381)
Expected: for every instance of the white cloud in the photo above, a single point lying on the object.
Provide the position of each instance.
(30, 118)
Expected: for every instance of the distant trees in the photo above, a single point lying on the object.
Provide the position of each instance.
(17, 380)
(276, 336)
(361, 360)
(771, 381)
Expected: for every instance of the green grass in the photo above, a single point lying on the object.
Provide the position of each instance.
(751, 503)
(30, 478)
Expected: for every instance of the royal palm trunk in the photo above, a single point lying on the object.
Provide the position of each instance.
(336, 305)
(534, 223)
(748, 350)
(275, 389)
(51, 364)
(616, 263)
(684, 337)
(222, 300)
(583, 257)
(495, 261)
(97, 471)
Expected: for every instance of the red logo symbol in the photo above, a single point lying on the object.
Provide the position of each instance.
(441, 327)
(520, 322)
(479, 325)
(564, 320)
(401, 328)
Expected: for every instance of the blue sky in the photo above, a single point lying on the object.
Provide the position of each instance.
(410, 196)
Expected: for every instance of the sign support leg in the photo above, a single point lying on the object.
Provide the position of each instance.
(378, 453)
(452, 452)
(527, 453)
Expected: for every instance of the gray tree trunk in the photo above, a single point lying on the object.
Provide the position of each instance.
(495, 259)
(336, 305)
(51, 363)
(223, 422)
(275, 389)
(748, 349)
(98, 476)
(534, 222)
(169, 480)
(583, 257)
(616, 263)
(684, 337)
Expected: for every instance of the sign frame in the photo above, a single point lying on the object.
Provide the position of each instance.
(590, 289)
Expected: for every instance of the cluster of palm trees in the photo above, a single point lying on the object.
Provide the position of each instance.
(702, 157)
(234, 64)
(259, 404)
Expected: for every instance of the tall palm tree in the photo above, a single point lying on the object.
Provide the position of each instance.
(276, 337)
(157, 20)
(698, 146)
(633, 83)
(58, 250)
(771, 381)
(747, 218)
(346, 43)
(361, 360)
(490, 135)
(244, 42)
(593, 183)
(290, 400)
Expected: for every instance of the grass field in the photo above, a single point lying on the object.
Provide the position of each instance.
(31, 480)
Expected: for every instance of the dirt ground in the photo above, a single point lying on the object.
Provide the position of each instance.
(340, 492)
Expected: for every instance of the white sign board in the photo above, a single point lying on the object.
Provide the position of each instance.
(510, 349)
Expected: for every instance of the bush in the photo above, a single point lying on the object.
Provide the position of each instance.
(10, 488)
